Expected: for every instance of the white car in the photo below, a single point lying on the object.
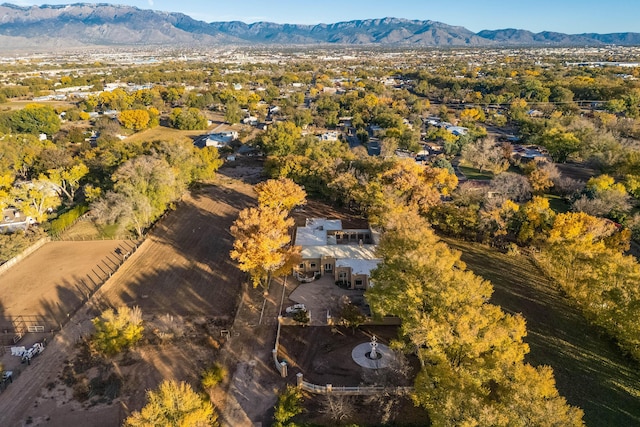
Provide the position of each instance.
(296, 308)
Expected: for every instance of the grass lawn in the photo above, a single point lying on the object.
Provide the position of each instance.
(590, 371)
(165, 133)
(19, 105)
(473, 173)
(557, 203)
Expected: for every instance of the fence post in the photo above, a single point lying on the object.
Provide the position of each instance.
(299, 379)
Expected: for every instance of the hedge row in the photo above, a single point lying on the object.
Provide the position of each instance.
(67, 219)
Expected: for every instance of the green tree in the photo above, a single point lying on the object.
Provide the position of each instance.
(174, 404)
(281, 138)
(233, 113)
(143, 187)
(67, 180)
(208, 162)
(560, 144)
(351, 316)
(288, 406)
(187, 119)
(35, 119)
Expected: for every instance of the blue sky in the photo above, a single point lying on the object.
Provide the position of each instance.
(568, 16)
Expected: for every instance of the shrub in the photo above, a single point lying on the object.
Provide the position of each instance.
(289, 405)
(117, 330)
(67, 219)
(212, 376)
(301, 316)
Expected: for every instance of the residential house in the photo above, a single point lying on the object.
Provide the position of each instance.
(13, 220)
(329, 136)
(220, 139)
(348, 255)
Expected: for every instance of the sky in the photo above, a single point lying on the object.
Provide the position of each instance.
(566, 16)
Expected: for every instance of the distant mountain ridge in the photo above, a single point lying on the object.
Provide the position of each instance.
(85, 24)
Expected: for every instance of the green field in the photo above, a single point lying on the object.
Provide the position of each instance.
(473, 173)
(557, 204)
(589, 369)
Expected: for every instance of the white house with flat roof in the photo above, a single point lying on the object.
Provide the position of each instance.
(221, 139)
(346, 254)
(13, 220)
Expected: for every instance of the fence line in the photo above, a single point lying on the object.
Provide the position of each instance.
(353, 391)
(31, 249)
(36, 323)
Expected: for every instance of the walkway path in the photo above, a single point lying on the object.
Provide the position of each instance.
(255, 383)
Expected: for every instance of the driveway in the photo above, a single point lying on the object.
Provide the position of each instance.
(322, 296)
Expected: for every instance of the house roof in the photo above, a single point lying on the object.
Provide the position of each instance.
(12, 220)
(359, 266)
(315, 231)
(340, 252)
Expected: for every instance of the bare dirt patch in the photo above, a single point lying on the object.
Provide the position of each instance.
(55, 280)
(323, 353)
(184, 267)
(319, 209)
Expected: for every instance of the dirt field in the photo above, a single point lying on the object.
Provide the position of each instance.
(56, 279)
(184, 268)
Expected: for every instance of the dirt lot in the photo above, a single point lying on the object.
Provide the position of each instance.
(319, 209)
(323, 354)
(53, 281)
(184, 267)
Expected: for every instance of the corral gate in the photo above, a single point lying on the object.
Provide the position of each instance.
(13, 329)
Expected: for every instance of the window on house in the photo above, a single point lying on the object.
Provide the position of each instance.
(312, 265)
(359, 282)
(301, 265)
(342, 275)
(328, 267)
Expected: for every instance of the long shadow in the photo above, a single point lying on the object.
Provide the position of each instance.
(590, 370)
(199, 231)
(7, 328)
(183, 291)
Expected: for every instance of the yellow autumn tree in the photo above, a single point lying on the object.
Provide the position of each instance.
(471, 352)
(117, 330)
(261, 242)
(174, 404)
(134, 119)
(585, 255)
(281, 194)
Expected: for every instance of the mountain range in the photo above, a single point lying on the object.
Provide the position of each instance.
(85, 24)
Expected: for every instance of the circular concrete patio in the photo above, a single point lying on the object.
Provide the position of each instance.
(359, 355)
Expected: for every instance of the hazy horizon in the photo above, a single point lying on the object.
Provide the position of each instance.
(570, 16)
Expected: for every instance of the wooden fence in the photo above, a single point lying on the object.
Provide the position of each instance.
(352, 391)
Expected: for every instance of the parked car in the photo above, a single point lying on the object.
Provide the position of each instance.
(295, 308)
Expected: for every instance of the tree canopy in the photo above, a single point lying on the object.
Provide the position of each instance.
(174, 404)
